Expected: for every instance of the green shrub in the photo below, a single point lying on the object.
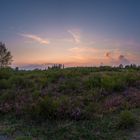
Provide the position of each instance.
(131, 78)
(36, 94)
(39, 81)
(112, 83)
(92, 109)
(5, 73)
(7, 95)
(53, 76)
(21, 82)
(23, 138)
(46, 108)
(69, 86)
(93, 82)
(126, 119)
(72, 74)
(5, 84)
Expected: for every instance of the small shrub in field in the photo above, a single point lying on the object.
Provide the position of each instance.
(36, 94)
(7, 95)
(23, 138)
(21, 82)
(127, 119)
(4, 84)
(40, 82)
(112, 83)
(131, 78)
(53, 76)
(71, 84)
(92, 109)
(93, 82)
(5, 73)
(47, 107)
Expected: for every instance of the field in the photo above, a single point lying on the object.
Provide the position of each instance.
(83, 103)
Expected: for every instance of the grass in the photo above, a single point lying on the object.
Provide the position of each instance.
(97, 128)
(72, 103)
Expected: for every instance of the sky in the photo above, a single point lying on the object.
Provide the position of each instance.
(72, 32)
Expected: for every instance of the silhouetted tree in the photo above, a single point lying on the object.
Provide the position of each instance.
(121, 66)
(133, 66)
(63, 66)
(127, 66)
(16, 69)
(5, 56)
(57, 66)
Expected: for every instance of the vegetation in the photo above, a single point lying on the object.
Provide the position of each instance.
(71, 103)
(127, 119)
(5, 56)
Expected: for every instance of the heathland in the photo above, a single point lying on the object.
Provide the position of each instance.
(81, 103)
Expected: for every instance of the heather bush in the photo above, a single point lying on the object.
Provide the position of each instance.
(93, 82)
(47, 107)
(21, 82)
(7, 96)
(5, 73)
(113, 83)
(23, 138)
(131, 78)
(126, 119)
(5, 84)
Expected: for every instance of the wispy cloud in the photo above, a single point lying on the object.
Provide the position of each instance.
(36, 38)
(75, 35)
(84, 49)
(79, 49)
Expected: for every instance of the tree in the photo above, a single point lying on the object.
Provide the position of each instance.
(5, 56)
(121, 66)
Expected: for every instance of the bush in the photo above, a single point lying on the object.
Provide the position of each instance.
(5, 73)
(21, 82)
(5, 84)
(131, 79)
(53, 76)
(7, 95)
(23, 138)
(69, 84)
(113, 83)
(126, 119)
(93, 82)
(36, 94)
(92, 109)
(46, 108)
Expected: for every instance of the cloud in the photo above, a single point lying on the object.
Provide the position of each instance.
(86, 55)
(108, 54)
(84, 50)
(115, 57)
(77, 48)
(123, 60)
(75, 35)
(36, 38)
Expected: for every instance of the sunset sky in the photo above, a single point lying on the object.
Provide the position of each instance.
(73, 32)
